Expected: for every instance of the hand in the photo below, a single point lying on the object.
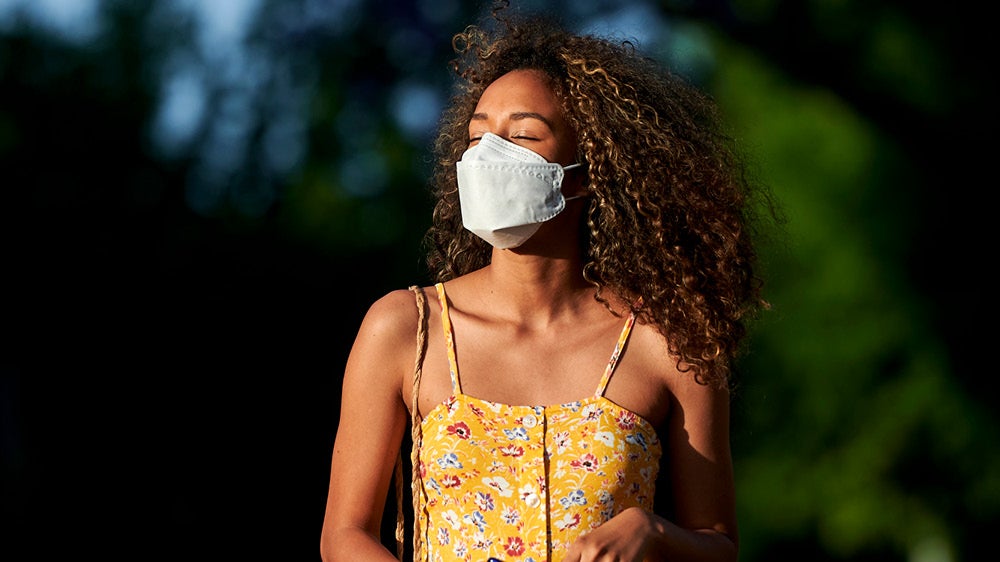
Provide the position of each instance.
(625, 537)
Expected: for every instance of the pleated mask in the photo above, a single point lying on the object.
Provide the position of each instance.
(507, 191)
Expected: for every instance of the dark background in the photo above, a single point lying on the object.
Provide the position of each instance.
(181, 287)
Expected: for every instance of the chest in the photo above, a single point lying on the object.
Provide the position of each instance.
(539, 372)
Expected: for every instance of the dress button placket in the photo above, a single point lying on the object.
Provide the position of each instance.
(543, 480)
(535, 502)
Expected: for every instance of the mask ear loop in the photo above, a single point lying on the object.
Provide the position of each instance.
(572, 197)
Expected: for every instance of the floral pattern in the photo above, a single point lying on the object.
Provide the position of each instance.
(527, 480)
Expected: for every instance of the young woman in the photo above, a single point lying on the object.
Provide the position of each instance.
(594, 272)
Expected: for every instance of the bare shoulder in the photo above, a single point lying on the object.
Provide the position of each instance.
(698, 413)
(666, 382)
(390, 320)
(393, 311)
(655, 352)
(387, 336)
(651, 348)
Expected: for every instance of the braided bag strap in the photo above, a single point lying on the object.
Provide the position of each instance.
(414, 433)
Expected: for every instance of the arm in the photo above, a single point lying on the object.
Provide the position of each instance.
(373, 418)
(701, 478)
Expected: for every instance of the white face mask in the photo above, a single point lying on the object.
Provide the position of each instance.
(507, 191)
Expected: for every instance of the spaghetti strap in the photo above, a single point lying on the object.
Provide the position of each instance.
(613, 362)
(449, 338)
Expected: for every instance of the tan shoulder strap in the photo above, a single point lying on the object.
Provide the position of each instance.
(415, 432)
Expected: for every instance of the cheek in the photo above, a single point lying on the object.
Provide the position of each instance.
(574, 183)
(569, 150)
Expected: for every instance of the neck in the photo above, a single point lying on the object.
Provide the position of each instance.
(540, 282)
(537, 288)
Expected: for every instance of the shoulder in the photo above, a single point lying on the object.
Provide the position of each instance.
(665, 369)
(385, 345)
(392, 316)
(649, 344)
(394, 306)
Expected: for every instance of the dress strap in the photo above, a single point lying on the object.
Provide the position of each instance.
(616, 354)
(449, 338)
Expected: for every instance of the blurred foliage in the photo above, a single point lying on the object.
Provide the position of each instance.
(193, 229)
(851, 436)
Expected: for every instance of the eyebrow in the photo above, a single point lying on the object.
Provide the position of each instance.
(517, 117)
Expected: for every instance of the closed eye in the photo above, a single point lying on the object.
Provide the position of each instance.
(473, 140)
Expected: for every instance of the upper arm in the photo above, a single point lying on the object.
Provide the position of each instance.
(699, 456)
(373, 416)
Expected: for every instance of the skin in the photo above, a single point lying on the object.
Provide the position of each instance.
(533, 299)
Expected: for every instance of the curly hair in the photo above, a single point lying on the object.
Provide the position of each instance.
(669, 219)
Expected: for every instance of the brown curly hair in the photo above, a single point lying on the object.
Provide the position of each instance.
(669, 218)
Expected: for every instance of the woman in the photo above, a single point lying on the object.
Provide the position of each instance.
(591, 246)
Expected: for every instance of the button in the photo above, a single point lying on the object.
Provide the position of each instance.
(529, 421)
(532, 500)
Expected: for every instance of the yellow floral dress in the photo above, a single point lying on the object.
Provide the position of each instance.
(523, 482)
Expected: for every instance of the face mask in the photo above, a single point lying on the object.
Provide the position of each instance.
(507, 191)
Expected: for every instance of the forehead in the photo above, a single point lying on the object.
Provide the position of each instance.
(518, 91)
